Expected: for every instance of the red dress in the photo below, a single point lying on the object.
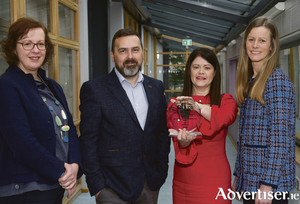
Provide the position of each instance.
(202, 168)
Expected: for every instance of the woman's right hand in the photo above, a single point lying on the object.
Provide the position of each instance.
(68, 180)
(233, 187)
(189, 101)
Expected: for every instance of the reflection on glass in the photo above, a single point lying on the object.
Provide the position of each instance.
(284, 60)
(160, 73)
(218, 7)
(5, 10)
(40, 11)
(129, 22)
(172, 76)
(170, 59)
(172, 95)
(67, 76)
(176, 77)
(66, 22)
(4, 25)
(172, 55)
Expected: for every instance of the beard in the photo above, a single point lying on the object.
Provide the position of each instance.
(129, 71)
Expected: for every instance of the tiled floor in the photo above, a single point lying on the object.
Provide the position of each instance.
(165, 194)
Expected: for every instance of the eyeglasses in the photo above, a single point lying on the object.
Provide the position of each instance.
(30, 45)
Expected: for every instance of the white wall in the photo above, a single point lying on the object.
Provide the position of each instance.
(84, 50)
(83, 40)
(222, 60)
(116, 21)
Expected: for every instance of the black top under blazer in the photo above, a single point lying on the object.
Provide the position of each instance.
(116, 152)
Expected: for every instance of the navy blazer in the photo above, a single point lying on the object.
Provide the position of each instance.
(116, 152)
(27, 135)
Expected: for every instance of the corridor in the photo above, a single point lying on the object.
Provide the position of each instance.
(165, 194)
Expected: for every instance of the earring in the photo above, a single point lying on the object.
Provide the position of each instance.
(246, 51)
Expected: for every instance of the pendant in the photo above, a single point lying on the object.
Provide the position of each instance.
(44, 99)
(65, 128)
(63, 114)
(58, 121)
(57, 102)
(65, 139)
(51, 108)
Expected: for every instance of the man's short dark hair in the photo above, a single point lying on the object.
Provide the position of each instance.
(122, 33)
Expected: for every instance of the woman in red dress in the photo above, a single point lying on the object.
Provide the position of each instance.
(201, 167)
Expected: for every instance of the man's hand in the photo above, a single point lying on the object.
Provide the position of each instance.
(97, 194)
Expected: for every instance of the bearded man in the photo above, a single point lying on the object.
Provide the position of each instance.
(124, 137)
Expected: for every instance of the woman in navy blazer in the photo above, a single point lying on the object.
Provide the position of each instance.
(266, 145)
(39, 147)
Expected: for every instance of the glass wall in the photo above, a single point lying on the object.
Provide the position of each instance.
(67, 76)
(171, 58)
(146, 53)
(290, 64)
(66, 22)
(130, 21)
(39, 10)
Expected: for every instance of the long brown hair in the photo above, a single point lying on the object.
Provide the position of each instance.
(16, 31)
(245, 69)
(215, 88)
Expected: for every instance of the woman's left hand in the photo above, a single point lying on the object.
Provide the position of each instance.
(265, 191)
(68, 180)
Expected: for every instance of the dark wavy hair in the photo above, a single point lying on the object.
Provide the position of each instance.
(215, 88)
(16, 32)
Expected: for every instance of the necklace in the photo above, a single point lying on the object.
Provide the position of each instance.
(60, 122)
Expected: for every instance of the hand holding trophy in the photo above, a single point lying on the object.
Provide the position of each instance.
(182, 115)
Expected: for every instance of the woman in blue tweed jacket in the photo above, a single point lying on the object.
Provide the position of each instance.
(266, 145)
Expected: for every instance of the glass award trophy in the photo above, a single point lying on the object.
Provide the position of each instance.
(181, 115)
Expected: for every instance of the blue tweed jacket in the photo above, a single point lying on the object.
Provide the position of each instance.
(266, 145)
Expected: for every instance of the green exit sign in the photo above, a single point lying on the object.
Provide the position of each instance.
(186, 42)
